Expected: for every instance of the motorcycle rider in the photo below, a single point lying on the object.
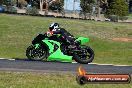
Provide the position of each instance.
(54, 29)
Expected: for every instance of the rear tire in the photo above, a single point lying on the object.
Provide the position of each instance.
(36, 54)
(83, 59)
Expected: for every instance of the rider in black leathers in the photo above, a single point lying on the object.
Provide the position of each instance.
(54, 29)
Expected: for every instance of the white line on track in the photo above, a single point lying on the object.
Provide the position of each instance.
(6, 59)
(76, 63)
(1, 58)
(11, 59)
(100, 64)
(108, 64)
(103, 64)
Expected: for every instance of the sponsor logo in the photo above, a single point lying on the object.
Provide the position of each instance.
(83, 78)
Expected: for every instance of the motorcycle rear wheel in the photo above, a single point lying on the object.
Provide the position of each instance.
(84, 58)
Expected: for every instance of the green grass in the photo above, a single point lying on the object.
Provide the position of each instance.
(45, 80)
(130, 15)
(16, 33)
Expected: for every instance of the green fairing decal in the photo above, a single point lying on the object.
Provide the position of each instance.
(56, 55)
(83, 40)
(51, 47)
(59, 56)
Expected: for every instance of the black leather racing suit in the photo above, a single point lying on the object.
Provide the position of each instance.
(66, 37)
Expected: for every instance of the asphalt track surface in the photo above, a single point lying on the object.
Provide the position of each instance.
(39, 66)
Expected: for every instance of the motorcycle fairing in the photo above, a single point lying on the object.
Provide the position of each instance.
(56, 55)
(83, 40)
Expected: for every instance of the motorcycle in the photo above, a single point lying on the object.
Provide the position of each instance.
(52, 48)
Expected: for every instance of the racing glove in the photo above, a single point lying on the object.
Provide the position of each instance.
(49, 33)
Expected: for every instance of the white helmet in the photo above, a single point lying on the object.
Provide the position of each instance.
(53, 26)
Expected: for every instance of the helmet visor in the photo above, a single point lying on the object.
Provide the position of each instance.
(51, 28)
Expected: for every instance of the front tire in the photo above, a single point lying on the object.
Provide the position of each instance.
(36, 54)
(86, 57)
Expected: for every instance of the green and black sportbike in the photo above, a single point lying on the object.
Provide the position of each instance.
(54, 49)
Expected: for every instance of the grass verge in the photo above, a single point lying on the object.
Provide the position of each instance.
(46, 80)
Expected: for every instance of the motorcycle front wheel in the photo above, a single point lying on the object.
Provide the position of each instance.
(36, 54)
